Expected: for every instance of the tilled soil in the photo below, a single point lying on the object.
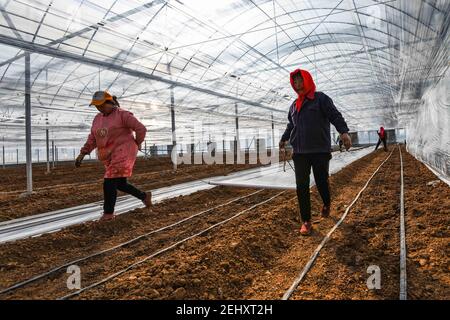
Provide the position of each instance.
(28, 257)
(67, 186)
(25, 258)
(13, 178)
(256, 255)
(427, 214)
(370, 237)
(216, 265)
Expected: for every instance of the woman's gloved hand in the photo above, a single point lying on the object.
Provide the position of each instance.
(138, 145)
(79, 159)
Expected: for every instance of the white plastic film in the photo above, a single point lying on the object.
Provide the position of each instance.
(428, 135)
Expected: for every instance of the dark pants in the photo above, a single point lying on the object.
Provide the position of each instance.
(320, 165)
(110, 187)
(384, 143)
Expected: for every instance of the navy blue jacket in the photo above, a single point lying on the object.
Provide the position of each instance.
(308, 131)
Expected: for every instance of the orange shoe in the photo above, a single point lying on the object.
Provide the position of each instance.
(107, 217)
(306, 228)
(325, 213)
(148, 199)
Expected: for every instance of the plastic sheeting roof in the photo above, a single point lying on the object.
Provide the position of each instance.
(373, 58)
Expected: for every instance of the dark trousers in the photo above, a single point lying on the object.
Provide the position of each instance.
(110, 187)
(384, 143)
(320, 165)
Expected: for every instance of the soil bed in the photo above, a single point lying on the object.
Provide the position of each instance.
(258, 254)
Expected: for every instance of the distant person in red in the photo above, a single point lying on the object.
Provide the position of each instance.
(381, 138)
(112, 135)
(308, 131)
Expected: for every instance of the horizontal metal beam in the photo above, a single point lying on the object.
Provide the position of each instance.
(56, 53)
(87, 29)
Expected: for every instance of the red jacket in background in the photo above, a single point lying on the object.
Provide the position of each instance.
(381, 133)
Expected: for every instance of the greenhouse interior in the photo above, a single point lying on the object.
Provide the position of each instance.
(225, 150)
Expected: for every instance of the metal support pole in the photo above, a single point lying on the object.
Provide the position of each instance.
(38, 155)
(172, 116)
(47, 144)
(3, 151)
(237, 144)
(53, 154)
(28, 123)
(145, 149)
(17, 155)
(273, 133)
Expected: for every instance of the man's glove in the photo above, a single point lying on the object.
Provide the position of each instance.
(79, 159)
(282, 146)
(345, 137)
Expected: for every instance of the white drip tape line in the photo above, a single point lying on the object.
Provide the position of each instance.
(115, 275)
(42, 275)
(315, 254)
(250, 185)
(49, 222)
(403, 286)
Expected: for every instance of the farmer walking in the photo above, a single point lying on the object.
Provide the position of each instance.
(308, 131)
(381, 138)
(112, 135)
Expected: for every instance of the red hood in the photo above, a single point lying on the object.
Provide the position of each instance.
(308, 85)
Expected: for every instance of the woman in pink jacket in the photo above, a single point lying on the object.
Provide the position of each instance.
(112, 135)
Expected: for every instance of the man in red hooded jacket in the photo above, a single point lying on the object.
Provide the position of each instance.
(308, 131)
(381, 138)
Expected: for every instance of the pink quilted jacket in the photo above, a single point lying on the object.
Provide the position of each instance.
(117, 148)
